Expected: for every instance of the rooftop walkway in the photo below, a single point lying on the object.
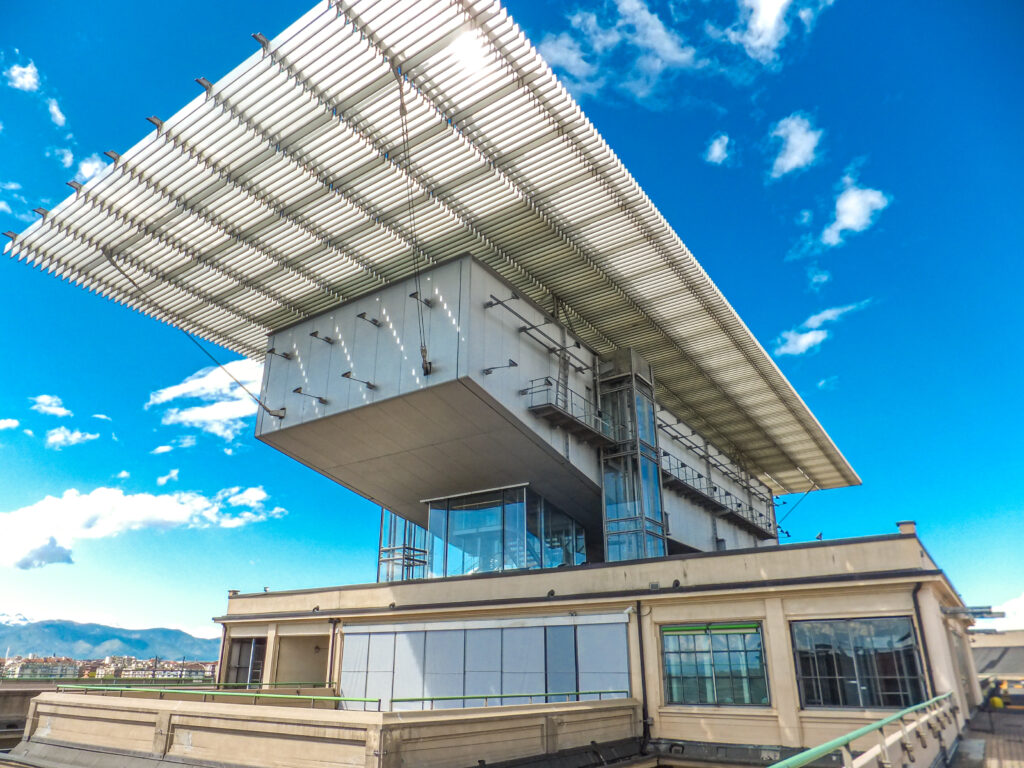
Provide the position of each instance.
(1003, 735)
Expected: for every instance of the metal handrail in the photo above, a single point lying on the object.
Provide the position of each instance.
(544, 391)
(487, 697)
(810, 755)
(199, 692)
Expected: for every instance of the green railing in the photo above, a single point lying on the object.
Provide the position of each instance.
(930, 710)
(486, 698)
(254, 695)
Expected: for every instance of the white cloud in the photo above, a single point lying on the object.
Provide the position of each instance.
(563, 52)
(164, 479)
(162, 449)
(29, 432)
(817, 277)
(24, 78)
(805, 217)
(102, 416)
(55, 114)
(50, 405)
(1014, 619)
(187, 441)
(810, 334)
(9, 424)
(799, 142)
(798, 342)
(124, 474)
(4, 207)
(761, 27)
(89, 168)
(650, 48)
(65, 156)
(855, 211)
(62, 437)
(226, 406)
(832, 314)
(718, 150)
(46, 532)
(829, 382)
(9, 186)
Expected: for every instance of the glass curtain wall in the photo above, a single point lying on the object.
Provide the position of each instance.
(403, 549)
(634, 519)
(503, 665)
(502, 530)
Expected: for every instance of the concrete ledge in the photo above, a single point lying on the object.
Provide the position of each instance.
(71, 730)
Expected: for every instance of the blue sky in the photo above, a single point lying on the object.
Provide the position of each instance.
(848, 174)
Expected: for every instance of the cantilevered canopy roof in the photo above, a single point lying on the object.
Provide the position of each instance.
(290, 186)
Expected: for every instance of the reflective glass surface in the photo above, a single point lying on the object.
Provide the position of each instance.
(858, 663)
(714, 664)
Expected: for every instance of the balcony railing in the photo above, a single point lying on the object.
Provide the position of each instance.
(680, 477)
(920, 734)
(569, 410)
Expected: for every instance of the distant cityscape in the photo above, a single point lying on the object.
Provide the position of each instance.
(32, 667)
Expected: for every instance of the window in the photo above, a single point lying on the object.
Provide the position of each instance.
(858, 663)
(245, 661)
(714, 664)
(473, 667)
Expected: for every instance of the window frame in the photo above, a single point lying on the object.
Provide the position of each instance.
(799, 678)
(708, 627)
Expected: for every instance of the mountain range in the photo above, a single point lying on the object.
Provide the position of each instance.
(20, 637)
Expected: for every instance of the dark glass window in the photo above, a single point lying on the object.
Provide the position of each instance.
(858, 663)
(714, 664)
(245, 661)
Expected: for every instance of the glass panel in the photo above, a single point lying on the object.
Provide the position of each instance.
(624, 546)
(645, 420)
(534, 504)
(483, 664)
(560, 653)
(558, 538)
(380, 667)
(651, 484)
(522, 662)
(620, 491)
(445, 665)
(353, 669)
(616, 409)
(408, 670)
(437, 535)
(515, 529)
(580, 548)
(475, 534)
(721, 671)
(655, 546)
(602, 654)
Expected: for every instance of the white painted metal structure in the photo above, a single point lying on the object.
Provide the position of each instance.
(285, 189)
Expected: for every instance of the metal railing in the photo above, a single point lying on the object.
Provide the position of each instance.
(702, 484)
(487, 698)
(544, 391)
(933, 716)
(338, 701)
(254, 695)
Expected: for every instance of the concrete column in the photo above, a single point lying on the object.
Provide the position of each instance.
(778, 657)
(270, 662)
(943, 665)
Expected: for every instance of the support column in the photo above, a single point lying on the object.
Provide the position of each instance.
(943, 666)
(778, 658)
(270, 661)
